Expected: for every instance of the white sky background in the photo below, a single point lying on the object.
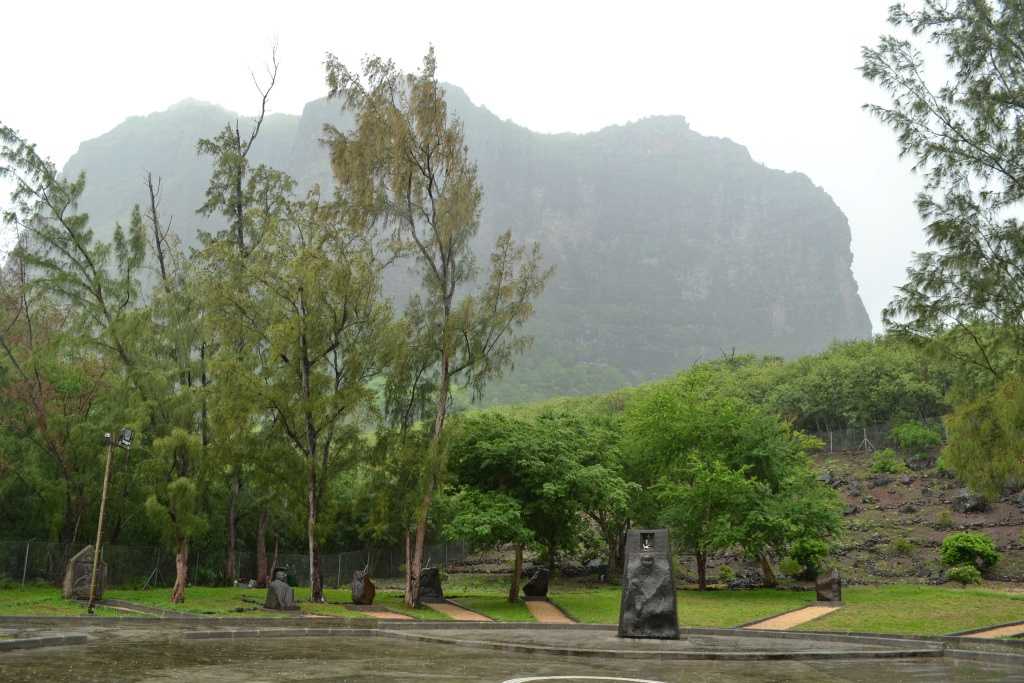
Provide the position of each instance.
(778, 77)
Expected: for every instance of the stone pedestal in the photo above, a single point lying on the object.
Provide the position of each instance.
(648, 608)
(363, 590)
(537, 586)
(430, 585)
(829, 587)
(78, 575)
(279, 594)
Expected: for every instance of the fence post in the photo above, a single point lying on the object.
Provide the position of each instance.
(24, 566)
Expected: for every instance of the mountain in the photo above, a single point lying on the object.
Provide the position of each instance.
(669, 246)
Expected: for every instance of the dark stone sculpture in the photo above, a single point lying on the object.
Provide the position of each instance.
(78, 576)
(829, 587)
(537, 586)
(430, 585)
(279, 594)
(648, 608)
(363, 590)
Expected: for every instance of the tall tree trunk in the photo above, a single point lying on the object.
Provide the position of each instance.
(408, 562)
(412, 597)
(316, 588)
(767, 570)
(517, 571)
(230, 561)
(180, 571)
(262, 571)
(702, 570)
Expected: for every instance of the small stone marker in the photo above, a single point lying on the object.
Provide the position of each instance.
(648, 608)
(537, 586)
(430, 585)
(78, 576)
(829, 587)
(279, 594)
(363, 590)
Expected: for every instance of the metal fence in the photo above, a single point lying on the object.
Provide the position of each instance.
(139, 566)
(868, 438)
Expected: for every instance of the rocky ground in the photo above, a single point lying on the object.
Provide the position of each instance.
(893, 527)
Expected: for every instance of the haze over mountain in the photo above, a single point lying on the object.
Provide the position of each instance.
(669, 246)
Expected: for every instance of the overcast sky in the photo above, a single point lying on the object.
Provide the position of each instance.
(778, 77)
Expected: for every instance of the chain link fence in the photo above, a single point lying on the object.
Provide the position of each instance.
(869, 438)
(142, 566)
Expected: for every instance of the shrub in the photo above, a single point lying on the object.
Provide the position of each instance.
(965, 574)
(790, 567)
(809, 552)
(945, 520)
(967, 547)
(886, 461)
(914, 436)
(726, 574)
(902, 546)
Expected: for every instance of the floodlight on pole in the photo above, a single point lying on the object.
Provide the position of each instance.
(124, 441)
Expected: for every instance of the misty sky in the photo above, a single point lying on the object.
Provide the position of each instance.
(778, 77)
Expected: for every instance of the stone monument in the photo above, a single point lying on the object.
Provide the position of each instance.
(363, 590)
(430, 585)
(648, 608)
(829, 587)
(78, 576)
(537, 586)
(279, 594)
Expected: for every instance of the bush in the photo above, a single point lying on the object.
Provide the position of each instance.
(967, 547)
(945, 520)
(886, 461)
(914, 436)
(902, 546)
(809, 552)
(965, 574)
(790, 567)
(726, 574)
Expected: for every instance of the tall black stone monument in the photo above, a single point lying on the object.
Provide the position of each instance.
(648, 608)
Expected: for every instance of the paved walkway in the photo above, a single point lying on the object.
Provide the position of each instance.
(455, 612)
(384, 614)
(999, 632)
(546, 612)
(786, 621)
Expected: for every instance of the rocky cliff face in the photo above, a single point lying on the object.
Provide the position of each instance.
(669, 246)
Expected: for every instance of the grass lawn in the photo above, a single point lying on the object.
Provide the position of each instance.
(919, 610)
(708, 609)
(44, 601)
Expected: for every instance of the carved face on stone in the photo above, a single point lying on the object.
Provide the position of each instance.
(280, 575)
(647, 563)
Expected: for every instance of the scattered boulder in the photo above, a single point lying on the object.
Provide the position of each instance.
(430, 585)
(78, 576)
(906, 480)
(851, 509)
(965, 501)
(363, 590)
(908, 508)
(855, 489)
(880, 480)
(537, 586)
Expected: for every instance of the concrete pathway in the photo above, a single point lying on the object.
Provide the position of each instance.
(384, 614)
(546, 612)
(455, 612)
(786, 621)
(999, 632)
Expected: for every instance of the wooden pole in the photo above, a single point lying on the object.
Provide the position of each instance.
(99, 526)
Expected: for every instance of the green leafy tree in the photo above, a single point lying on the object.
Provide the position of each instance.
(405, 166)
(964, 297)
(306, 300)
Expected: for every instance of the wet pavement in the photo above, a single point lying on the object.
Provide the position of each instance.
(161, 655)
